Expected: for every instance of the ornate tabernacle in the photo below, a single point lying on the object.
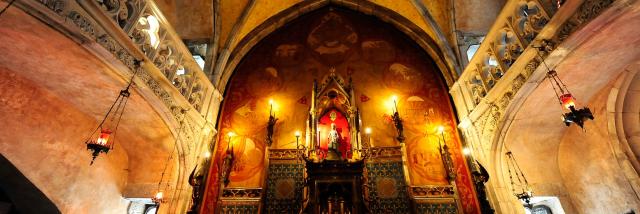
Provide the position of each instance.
(333, 120)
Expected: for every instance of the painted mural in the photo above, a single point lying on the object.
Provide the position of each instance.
(381, 61)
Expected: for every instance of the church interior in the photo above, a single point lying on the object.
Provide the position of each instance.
(320, 106)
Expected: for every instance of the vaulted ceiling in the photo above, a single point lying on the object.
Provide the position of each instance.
(227, 22)
(194, 19)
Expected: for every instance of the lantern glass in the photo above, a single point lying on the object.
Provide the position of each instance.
(103, 138)
(567, 101)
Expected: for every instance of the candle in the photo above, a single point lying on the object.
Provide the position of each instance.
(297, 136)
(395, 104)
(230, 144)
(271, 107)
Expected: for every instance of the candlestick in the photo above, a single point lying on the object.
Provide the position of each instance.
(395, 104)
(441, 130)
(230, 144)
(297, 137)
(368, 132)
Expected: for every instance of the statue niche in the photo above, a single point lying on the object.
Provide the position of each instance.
(332, 120)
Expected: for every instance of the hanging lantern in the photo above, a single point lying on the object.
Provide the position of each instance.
(519, 185)
(103, 141)
(568, 102)
(104, 137)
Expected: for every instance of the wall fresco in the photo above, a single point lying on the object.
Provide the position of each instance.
(382, 63)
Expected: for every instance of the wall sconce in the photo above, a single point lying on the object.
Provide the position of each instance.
(227, 163)
(446, 156)
(104, 140)
(525, 193)
(397, 121)
(271, 123)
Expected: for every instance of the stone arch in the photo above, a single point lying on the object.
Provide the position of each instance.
(446, 63)
(623, 122)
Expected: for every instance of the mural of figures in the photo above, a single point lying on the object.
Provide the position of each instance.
(332, 40)
(380, 61)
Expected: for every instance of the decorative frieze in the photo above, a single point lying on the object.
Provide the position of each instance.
(241, 194)
(385, 152)
(432, 191)
(283, 154)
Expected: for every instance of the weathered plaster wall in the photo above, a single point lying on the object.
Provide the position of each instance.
(42, 135)
(192, 19)
(593, 178)
(473, 16)
(54, 92)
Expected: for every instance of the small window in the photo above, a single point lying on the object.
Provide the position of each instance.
(545, 205)
(199, 60)
(472, 51)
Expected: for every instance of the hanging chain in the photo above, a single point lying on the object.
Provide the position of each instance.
(123, 95)
(522, 180)
(166, 164)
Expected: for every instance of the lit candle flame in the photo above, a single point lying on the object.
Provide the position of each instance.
(466, 151)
